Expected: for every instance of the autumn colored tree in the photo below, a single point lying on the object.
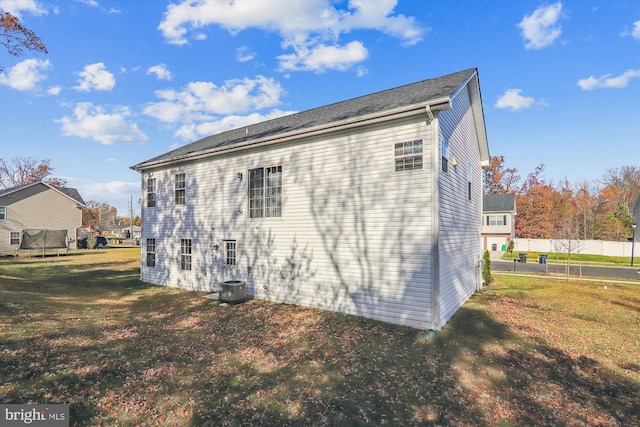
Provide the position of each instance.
(23, 170)
(100, 216)
(586, 204)
(498, 179)
(15, 37)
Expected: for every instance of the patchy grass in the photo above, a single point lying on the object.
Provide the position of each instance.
(83, 330)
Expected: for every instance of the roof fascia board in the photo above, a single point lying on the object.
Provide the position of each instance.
(406, 111)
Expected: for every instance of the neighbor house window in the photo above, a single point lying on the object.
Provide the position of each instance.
(185, 254)
(445, 156)
(151, 193)
(3, 212)
(496, 220)
(230, 252)
(265, 192)
(15, 237)
(151, 252)
(469, 179)
(408, 155)
(180, 189)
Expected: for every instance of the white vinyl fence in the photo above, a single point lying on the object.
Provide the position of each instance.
(593, 247)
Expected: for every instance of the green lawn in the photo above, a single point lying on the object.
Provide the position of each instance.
(575, 258)
(82, 330)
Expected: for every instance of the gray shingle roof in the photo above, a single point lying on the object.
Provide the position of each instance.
(415, 93)
(70, 192)
(499, 202)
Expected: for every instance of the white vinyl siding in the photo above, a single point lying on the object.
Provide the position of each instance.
(355, 236)
(460, 219)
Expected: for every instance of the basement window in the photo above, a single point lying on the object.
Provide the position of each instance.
(408, 155)
(230, 252)
(185, 254)
(151, 252)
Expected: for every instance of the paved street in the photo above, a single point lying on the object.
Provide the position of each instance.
(623, 273)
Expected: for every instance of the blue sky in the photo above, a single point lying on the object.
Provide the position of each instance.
(125, 81)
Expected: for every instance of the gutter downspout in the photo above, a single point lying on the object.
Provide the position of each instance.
(435, 220)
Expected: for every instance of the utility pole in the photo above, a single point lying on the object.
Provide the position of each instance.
(131, 220)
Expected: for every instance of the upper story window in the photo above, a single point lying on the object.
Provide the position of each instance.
(3, 212)
(445, 156)
(151, 252)
(496, 220)
(151, 193)
(265, 192)
(408, 155)
(15, 238)
(180, 186)
(185, 254)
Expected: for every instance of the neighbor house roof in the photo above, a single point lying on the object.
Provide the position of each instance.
(437, 92)
(499, 202)
(71, 193)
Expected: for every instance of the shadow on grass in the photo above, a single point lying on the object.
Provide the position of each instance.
(164, 356)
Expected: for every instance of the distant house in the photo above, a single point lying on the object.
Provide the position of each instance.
(498, 221)
(38, 205)
(370, 206)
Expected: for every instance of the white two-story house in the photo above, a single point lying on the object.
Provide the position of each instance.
(370, 206)
(498, 221)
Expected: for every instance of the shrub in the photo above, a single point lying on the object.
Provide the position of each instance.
(486, 268)
(91, 242)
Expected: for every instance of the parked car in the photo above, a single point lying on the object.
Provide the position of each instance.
(101, 242)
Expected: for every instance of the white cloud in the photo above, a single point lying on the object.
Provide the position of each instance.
(161, 72)
(95, 77)
(541, 29)
(513, 100)
(321, 57)
(607, 81)
(192, 131)
(92, 3)
(316, 29)
(198, 100)
(115, 193)
(635, 31)
(54, 90)
(15, 7)
(92, 122)
(25, 75)
(244, 54)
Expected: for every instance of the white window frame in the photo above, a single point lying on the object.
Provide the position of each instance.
(230, 252)
(151, 192)
(180, 189)
(151, 252)
(265, 192)
(12, 238)
(408, 155)
(445, 155)
(496, 220)
(3, 212)
(186, 252)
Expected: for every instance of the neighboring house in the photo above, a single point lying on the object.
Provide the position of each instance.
(498, 221)
(370, 206)
(38, 205)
